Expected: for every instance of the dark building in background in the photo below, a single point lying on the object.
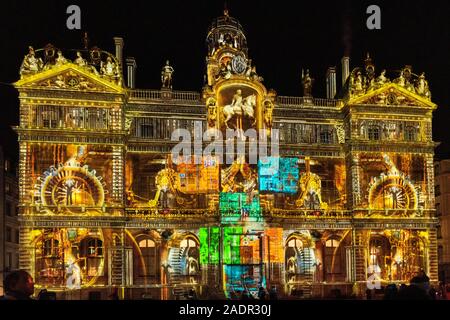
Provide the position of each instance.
(442, 191)
(9, 226)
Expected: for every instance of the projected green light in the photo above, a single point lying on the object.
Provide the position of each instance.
(209, 245)
(239, 206)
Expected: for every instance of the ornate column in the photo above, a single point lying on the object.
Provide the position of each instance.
(429, 167)
(118, 171)
(433, 256)
(353, 181)
(356, 189)
(25, 178)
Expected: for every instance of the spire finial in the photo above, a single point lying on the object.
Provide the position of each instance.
(86, 41)
(225, 10)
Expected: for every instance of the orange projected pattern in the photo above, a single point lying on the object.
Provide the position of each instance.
(275, 239)
(199, 178)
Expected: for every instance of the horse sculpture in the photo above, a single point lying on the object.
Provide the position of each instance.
(246, 108)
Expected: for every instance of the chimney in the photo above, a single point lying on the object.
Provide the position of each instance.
(345, 62)
(119, 49)
(131, 72)
(331, 82)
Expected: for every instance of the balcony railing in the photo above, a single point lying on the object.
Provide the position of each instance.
(393, 213)
(310, 214)
(147, 213)
(301, 101)
(160, 95)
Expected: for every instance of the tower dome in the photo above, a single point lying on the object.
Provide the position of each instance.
(226, 34)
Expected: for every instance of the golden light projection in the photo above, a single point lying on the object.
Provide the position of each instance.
(70, 185)
(392, 190)
(396, 254)
(69, 257)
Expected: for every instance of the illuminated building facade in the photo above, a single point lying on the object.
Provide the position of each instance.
(105, 205)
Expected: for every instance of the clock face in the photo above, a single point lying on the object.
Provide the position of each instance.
(239, 64)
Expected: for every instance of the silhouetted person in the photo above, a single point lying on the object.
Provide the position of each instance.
(18, 285)
(273, 295)
(245, 295)
(192, 295)
(368, 294)
(432, 293)
(390, 292)
(262, 293)
(421, 280)
(115, 294)
(413, 292)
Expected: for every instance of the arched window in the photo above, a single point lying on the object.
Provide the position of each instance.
(148, 251)
(295, 243)
(333, 257)
(190, 258)
(188, 243)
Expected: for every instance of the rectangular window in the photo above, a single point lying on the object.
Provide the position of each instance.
(437, 191)
(439, 232)
(17, 236)
(325, 137)
(8, 234)
(374, 133)
(8, 209)
(410, 134)
(7, 188)
(146, 130)
(438, 210)
(8, 264)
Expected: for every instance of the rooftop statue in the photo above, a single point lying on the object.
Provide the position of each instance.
(422, 86)
(60, 60)
(110, 68)
(166, 75)
(80, 61)
(401, 81)
(307, 83)
(30, 63)
(382, 78)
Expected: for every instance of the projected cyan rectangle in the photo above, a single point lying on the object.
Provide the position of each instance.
(278, 175)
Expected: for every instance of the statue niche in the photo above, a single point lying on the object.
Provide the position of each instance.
(239, 108)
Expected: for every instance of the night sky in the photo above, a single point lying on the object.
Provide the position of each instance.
(283, 37)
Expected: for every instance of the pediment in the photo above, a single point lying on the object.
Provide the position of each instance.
(70, 77)
(392, 94)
